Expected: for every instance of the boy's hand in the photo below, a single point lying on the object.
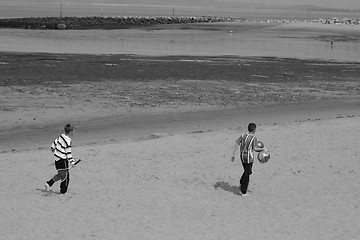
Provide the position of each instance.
(73, 164)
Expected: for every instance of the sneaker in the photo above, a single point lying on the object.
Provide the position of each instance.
(47, 187)
(244, 194)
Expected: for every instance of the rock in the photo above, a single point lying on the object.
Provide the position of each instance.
(61, 26)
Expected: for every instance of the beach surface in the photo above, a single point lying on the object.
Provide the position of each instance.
(156, 134)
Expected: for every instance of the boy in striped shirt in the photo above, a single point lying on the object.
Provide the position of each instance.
(248, 145)
(61, 147)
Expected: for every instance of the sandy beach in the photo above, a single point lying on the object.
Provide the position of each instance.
(156, 135)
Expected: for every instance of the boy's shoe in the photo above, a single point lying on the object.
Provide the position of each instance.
(244, 194)
(47, 187)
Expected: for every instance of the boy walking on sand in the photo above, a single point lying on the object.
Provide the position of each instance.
(248, 145)
(61, 147)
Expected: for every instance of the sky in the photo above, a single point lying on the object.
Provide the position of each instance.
(338, 4)
(343, 4)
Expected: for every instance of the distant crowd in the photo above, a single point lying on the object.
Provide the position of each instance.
(126, 22)
(344, 21)
(103, 22)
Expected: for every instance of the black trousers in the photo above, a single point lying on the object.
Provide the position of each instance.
(245, 178)
(62, 166)
(64, 176)
(65, 183)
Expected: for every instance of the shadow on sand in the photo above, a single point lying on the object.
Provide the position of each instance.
(49, 193)
(227, 187)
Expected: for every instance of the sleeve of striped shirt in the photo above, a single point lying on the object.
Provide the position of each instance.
(52, 147)
(69, 156)
(69, 153)
(238, 141)
(254, 142)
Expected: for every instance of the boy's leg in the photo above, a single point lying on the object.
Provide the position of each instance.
(60, 166)
(61, 175)
(65, 183)
(243, 175)
(245, 178)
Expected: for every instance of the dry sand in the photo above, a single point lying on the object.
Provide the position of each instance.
(164, 171)
(183, 186)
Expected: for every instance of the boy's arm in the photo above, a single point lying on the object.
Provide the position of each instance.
(52, 147)
(237, 144)
(255, 147)
(69, 156)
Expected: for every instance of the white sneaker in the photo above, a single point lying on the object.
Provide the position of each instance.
(244, 194)
(47, 187)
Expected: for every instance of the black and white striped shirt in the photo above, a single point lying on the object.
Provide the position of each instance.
(247, 144)
(61, 147)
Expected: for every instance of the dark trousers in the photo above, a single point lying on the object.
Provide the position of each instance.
(245, 178)
(64, 176)
(65, 183)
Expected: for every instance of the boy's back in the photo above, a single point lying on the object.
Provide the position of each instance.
(246, 142)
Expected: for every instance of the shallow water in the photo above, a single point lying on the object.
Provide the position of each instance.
(270, 41)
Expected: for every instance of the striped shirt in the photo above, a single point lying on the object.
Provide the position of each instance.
(247, 142)
(61, 147)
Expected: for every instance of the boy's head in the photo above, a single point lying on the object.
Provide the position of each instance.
(251, 127)
(69, 128)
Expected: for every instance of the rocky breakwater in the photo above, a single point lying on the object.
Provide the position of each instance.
(103, 22)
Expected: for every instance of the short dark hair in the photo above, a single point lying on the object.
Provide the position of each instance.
(68, 128)
(251, 127)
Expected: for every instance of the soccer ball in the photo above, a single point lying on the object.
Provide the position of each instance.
(260, 145)
(263, 156)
